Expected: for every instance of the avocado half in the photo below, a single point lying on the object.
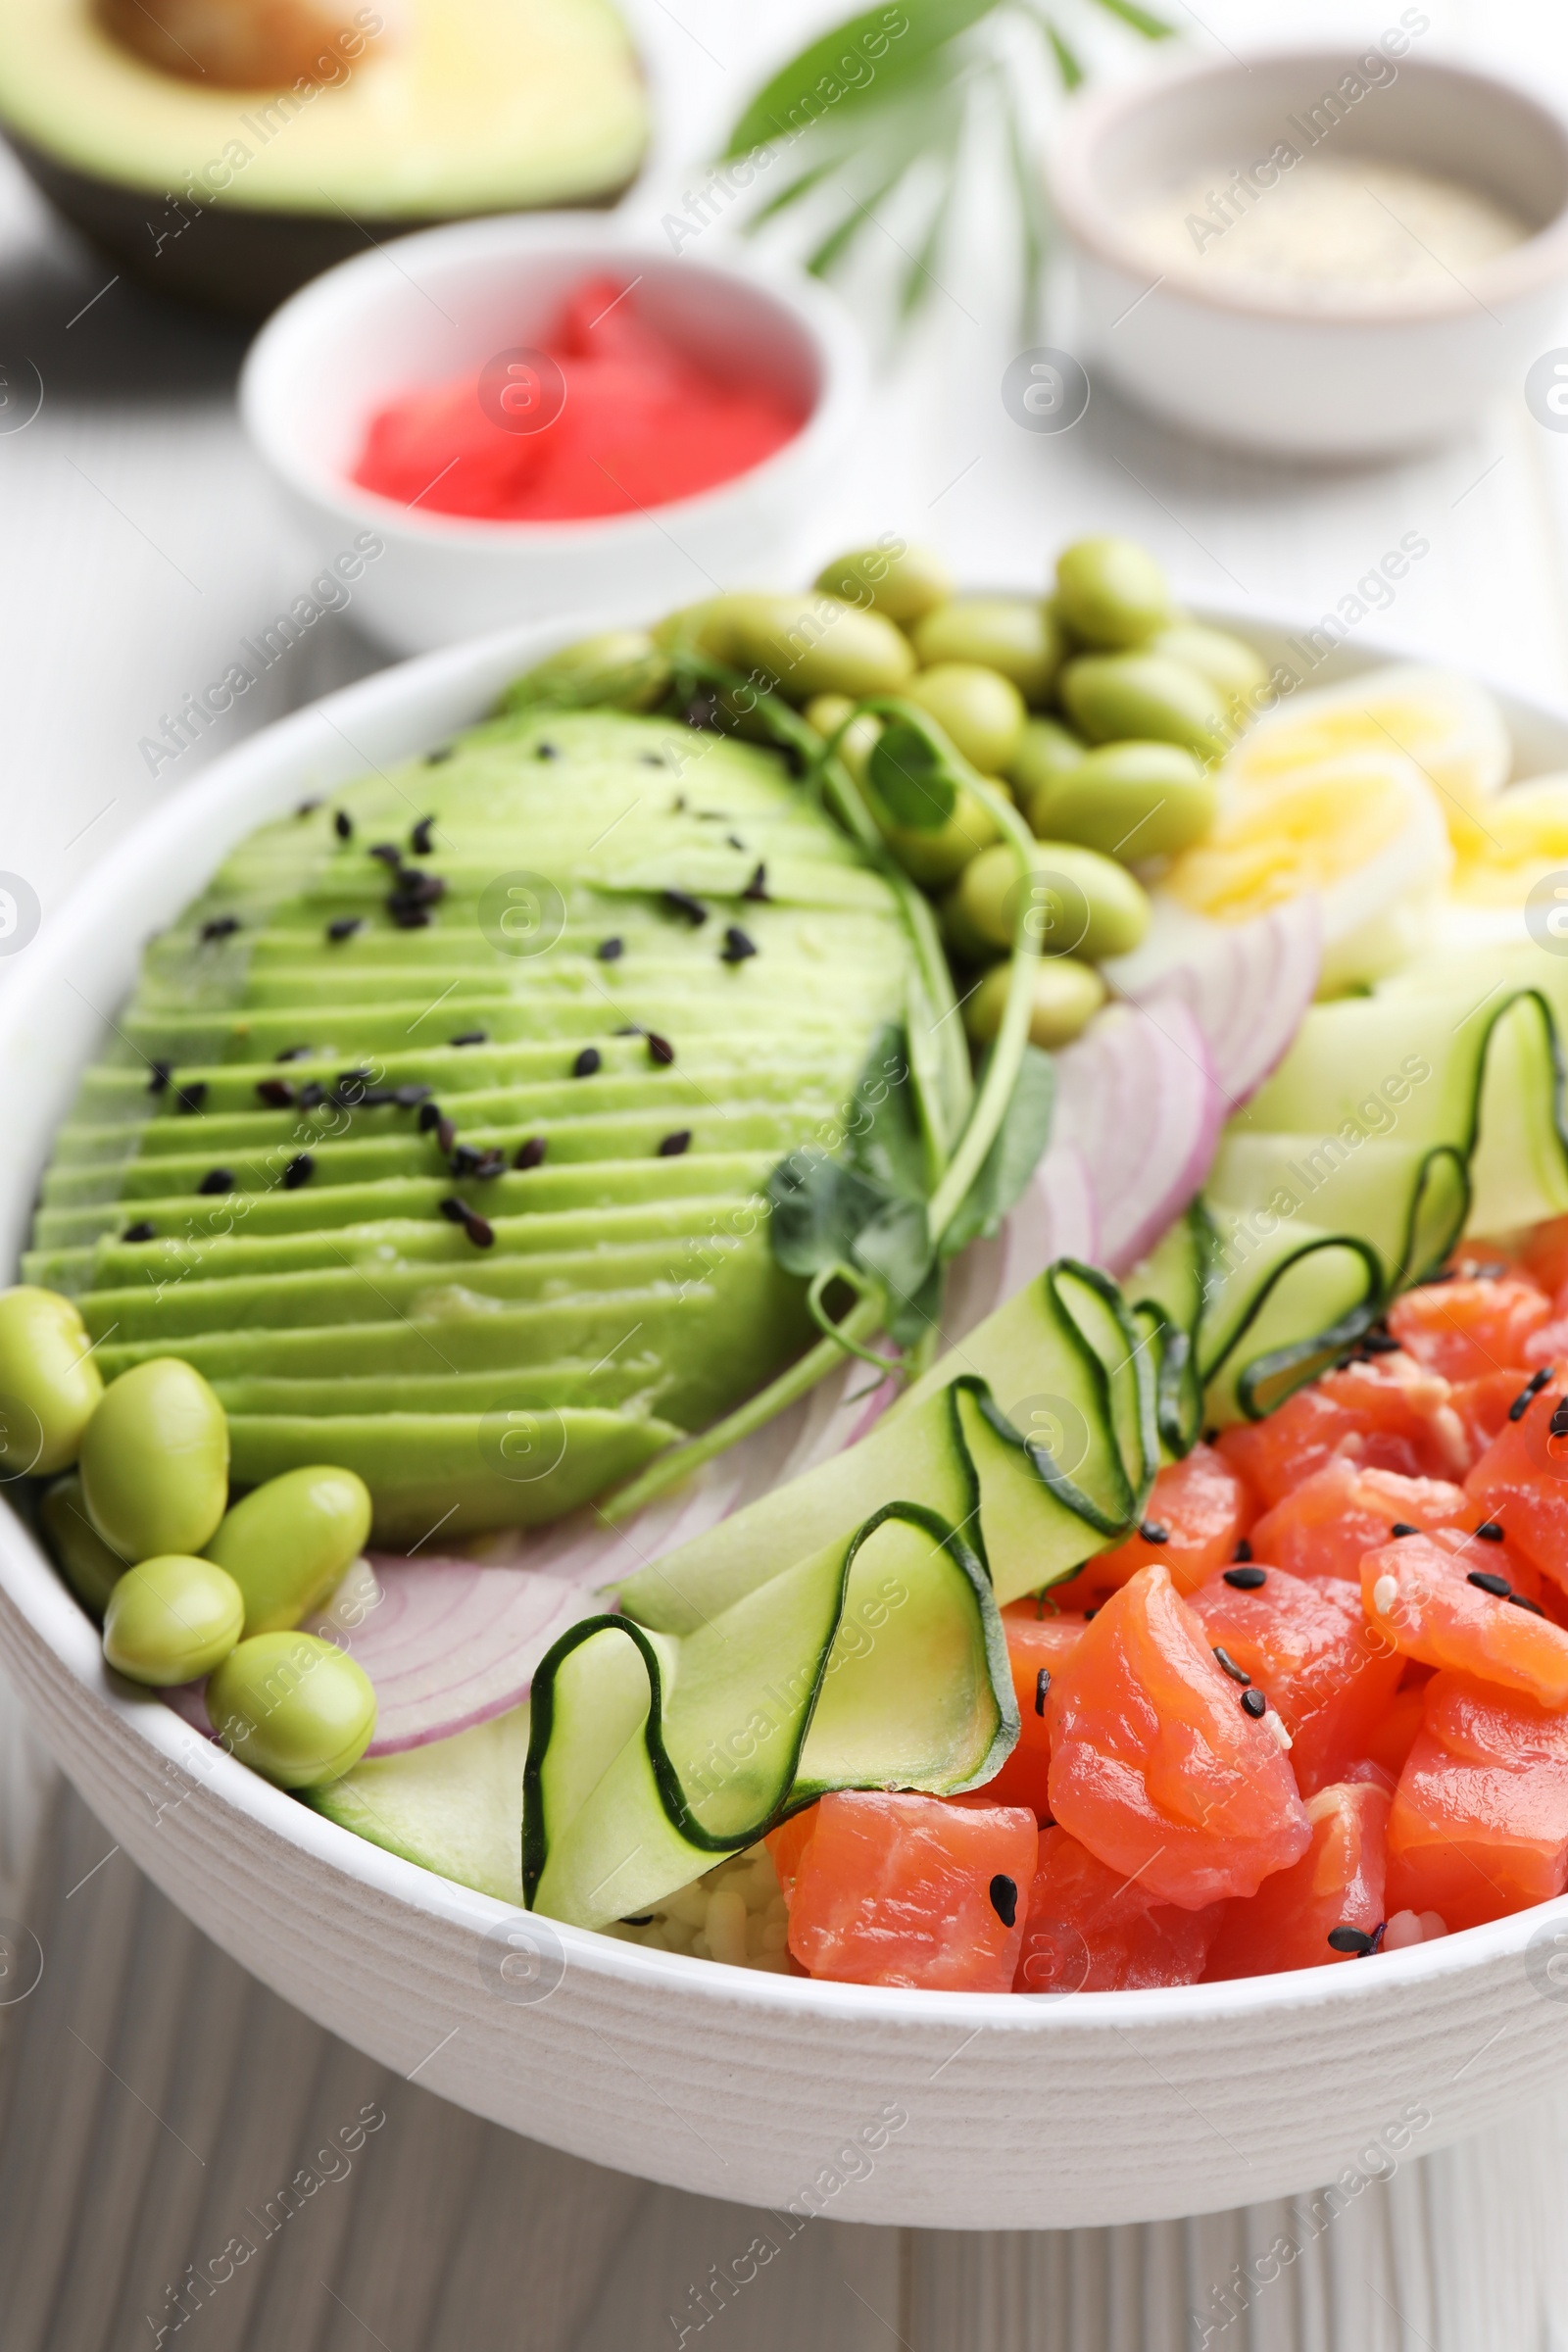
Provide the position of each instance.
(437, 1132)
(235, 197)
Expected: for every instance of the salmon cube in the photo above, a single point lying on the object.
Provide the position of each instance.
(1345, 1510)
(1480, 1820)
(1468, 1328)
(1090, 1929)
(1305, 1642)
(1039, 1646)
(1521, 1483)
(1390, 1415)
(1338, 1883)
(1422, 1594)
(900, 1889)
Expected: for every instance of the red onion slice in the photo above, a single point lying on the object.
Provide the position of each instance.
(1137, 1095)
(1246, 985)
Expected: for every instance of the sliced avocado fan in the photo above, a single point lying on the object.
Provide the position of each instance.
(438, 1130)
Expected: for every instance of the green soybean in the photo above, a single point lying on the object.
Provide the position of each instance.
(287, 1544)
(1065, 996)
(1115, 698)
(1240, 675)
(622, 669)
(1131, 800)
(804, 644)
(49, 1383)
(1013, 634)
(1079, 903)
(979, 711)
(1045, 750)
(1111, 591)
(155, 1460)
(828, 712)
(84, 1560)
(293, 1708)
(903, 583)
(933, 857)
(170, 1619)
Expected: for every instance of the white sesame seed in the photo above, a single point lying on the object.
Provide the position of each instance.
(1273, 1723)
(1385, 1592)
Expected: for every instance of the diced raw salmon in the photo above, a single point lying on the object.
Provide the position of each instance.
(1389, 1414)
(1155, 1765)
(1092, 1930)
(899, 1889)
(1307, 1646)
(1521, 1483)
(1479, 1818)
(1543, 1254)
(1419, 1591)
(1345, 1510)
(1200, 1507)
(1483, 1405)
(1338, 1883)
(1039, 1646)
(787, 1844)
(1466, 1328)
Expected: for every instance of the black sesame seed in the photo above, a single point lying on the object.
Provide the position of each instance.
(216, 1180)
(342, 825)
(434, 759)
(467, 1161)
(446, 1136)
(351, 1087)
(414, 888)
(1246, 1580)
(276, 1093)
(479, 1230)
(638, 1919)
(1379, 1342)
(137, 1233)
(1528, 1394)
(388, 852)
(307, 807)
(1402, 1527)
(429, 1117)
(1498, 1586)
(1153, 1532)
(530, 1154)
(587, 1062)
(295, 1053)
(1227, 1665)
(312, 1097)
(1517, 1600)
(192, 1097)
(629, 1029)
(1090, 1615)
(651, 759)
(222, 926)
(737, 946)
(470, 1037)
(300, 1168)
(490, 1163)
(611, 950)
(1355, 1940)
(1489, 1531)
(547, 751)
(659, 1050)
(1255, 1704)
(344, 926)
(453, 1209)
(681, 901)
(160, 1077)
(756, 888)
(735, 842)
(1042, 1689)
(406, 917)
(419, 838)
(1003, 1893)
(377, 1097)
(1243, 1552)
(672, 1145)
(409, 1097)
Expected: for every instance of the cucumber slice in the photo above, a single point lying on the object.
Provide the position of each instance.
(454, 1806)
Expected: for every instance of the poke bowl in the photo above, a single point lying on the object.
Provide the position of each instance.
(898, 2102)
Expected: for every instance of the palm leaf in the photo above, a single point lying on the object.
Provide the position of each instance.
(1153, 29)
(794, 100)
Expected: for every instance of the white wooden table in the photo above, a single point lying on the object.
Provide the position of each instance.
(149, 2094)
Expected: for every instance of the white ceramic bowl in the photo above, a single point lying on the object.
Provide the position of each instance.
(1232, 361)
(992, 2112)
(429, 308)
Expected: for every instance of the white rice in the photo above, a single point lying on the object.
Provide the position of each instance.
(734, 1912)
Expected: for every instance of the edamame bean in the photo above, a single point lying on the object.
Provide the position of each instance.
(826, 712)
(1117, 698)
(49, 1383)
(1240, 674)
(933, 859)
(84, 1560)
(806, 645)
(622, 669)
(979, 711)
(1080, 904)
(287, 1544)
(170, 1619)
(155, 1460)
(1111, 591)
(293, 1708)
(1045, 750)
(1065, 996)
(1131, 800)
(1013, 634)
(902, 582)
